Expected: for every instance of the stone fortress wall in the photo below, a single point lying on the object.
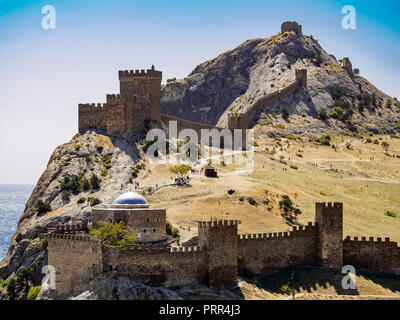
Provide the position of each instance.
(137, 108)
(247, 117)
(221, 253)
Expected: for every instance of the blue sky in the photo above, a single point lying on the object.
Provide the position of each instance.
(44, 74)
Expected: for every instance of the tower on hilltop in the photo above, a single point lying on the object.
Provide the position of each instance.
(134, 111)
(142, 84)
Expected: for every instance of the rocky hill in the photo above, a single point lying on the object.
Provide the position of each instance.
(67, 189)
(236, 79)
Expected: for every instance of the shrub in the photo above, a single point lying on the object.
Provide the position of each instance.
(338, 92)
(171, 230)
(71, 183)
(81, 200)
(12, 288)
(252, 201)
(103, 173)
(287, 206)
(18, 238)
(44, 243)
(391, 214)
(42, 207)
(99, 149)
(294, 167)
(284, 113)
(65, 196)
(115, 234)
(94, 182)
(33, 292)
(322, 114)
(325, 140)
(85, 184)
(94, 201)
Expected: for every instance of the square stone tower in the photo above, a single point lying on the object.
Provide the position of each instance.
(329, 219)
(220, 240)
(142, 85)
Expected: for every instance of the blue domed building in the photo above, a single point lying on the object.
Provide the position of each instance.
(133, 210)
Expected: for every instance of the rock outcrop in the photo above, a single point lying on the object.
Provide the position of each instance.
(111, 160)
(236, 79)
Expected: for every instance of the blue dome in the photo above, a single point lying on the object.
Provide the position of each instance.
(130, 198)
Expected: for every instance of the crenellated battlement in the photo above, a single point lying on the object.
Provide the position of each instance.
(329, 205)
(278, 235)
(91, 106)
(125, 75)
(71, 237)
(115, 98)
(217, 223)
(371, 240)
(164, 247)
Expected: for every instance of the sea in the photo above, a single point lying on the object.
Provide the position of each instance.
(12, 204)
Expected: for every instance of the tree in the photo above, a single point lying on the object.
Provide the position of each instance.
(284, 113)
(12, 289)
(356, 71)
(385, 146)
(94, 182)
(85, 185)
(322, 114)
(180, 170)
(115, 234)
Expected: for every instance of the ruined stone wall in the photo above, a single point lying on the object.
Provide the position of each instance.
(149, 223)
(261, 253)
(372, 254)
(220, 241)
(77, 260)
(348, 66)
(157, 266)
(289, 26)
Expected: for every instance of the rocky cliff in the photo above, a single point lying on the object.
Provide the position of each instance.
(236, 79)
(67, 189)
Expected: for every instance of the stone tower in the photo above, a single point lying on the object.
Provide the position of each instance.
(289, 26)
(329, 219)
(144, 86)
(301, 77)
(220, 240)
